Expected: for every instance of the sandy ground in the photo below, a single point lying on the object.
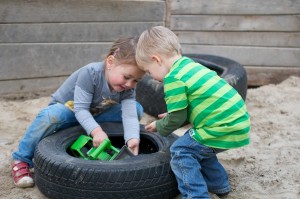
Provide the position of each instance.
(267, 168)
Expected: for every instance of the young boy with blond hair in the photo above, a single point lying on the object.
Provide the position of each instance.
(193, 93)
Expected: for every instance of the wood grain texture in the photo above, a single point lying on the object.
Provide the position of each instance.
(234, 7)
(282, 23)
(251, 56)
(35, 11)
(258, 39)
(258, 76)
(71, 32)
(30, 85)
(46, 60)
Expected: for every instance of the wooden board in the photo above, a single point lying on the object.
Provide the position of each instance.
(282, 23)
(234, 7)
(263, 39)
(30, 85)
(45, 60)
(251, 56)
(258, 76)
(16, 11)
(42, 41)
(71, 32)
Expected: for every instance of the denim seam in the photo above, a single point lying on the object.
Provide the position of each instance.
(185, 182)
(220, 191)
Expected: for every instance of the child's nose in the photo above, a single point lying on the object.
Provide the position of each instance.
(130, 84)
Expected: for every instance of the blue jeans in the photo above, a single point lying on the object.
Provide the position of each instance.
(197, 169)
(54, 118)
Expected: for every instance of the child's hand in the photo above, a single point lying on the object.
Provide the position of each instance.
(162, 115)
(133, 145)
(98, 136)
(151, 127)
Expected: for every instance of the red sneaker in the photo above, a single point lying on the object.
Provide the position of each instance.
(22, 175)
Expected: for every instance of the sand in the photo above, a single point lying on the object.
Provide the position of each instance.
(267, 168)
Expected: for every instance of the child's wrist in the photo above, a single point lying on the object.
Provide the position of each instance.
(98, 131)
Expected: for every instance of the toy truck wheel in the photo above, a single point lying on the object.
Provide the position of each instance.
(150, 93)
(58, 174)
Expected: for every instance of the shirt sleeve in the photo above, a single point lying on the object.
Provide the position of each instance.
(171, 122)
(130, 119)
(83, 95)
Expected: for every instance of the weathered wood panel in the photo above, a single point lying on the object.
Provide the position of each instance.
(264, 36)
(29, 85)
(258, 76)
(42, 41)
(242, 7)
(16, 11)
(264, 39)
(251, 56)
(46, 60)
(70, 32)
(235, 23)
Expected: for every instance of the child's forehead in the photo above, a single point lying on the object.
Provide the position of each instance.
(129, 66)
(131, 69)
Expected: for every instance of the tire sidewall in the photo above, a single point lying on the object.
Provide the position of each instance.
(52, 152)
(55, 147)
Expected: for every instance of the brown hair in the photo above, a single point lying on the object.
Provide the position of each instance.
(124, 50)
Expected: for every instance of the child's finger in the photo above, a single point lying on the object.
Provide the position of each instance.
(147, 127)
(162, 115)
(134, 150)
(96, 143)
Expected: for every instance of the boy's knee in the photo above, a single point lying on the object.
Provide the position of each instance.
(175, 150)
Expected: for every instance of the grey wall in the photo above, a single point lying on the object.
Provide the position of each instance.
(264, 36)
(43, 41)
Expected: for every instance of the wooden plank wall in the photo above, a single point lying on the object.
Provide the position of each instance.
(264, 36)
(43, 41)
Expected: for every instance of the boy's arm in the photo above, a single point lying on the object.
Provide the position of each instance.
(171, 122)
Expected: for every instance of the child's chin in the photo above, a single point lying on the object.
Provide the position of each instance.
(119, 89)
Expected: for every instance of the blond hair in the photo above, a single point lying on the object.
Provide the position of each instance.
(124, 50)
(157, 40)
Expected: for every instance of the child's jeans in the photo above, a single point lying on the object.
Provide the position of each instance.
(197, 169)
(54, 118)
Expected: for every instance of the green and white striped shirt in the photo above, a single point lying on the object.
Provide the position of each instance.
(218, 113)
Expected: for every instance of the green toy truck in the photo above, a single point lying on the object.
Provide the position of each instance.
(83, 148)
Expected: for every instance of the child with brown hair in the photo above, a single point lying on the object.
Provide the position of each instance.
(98, 92)
(193, 93)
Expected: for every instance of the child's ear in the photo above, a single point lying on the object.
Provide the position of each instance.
(110, 60)
(156, 59)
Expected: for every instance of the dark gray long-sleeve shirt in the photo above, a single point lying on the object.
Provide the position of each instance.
(88, 90)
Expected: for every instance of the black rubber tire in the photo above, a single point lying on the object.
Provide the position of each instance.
(150, 93)
(148, 175)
